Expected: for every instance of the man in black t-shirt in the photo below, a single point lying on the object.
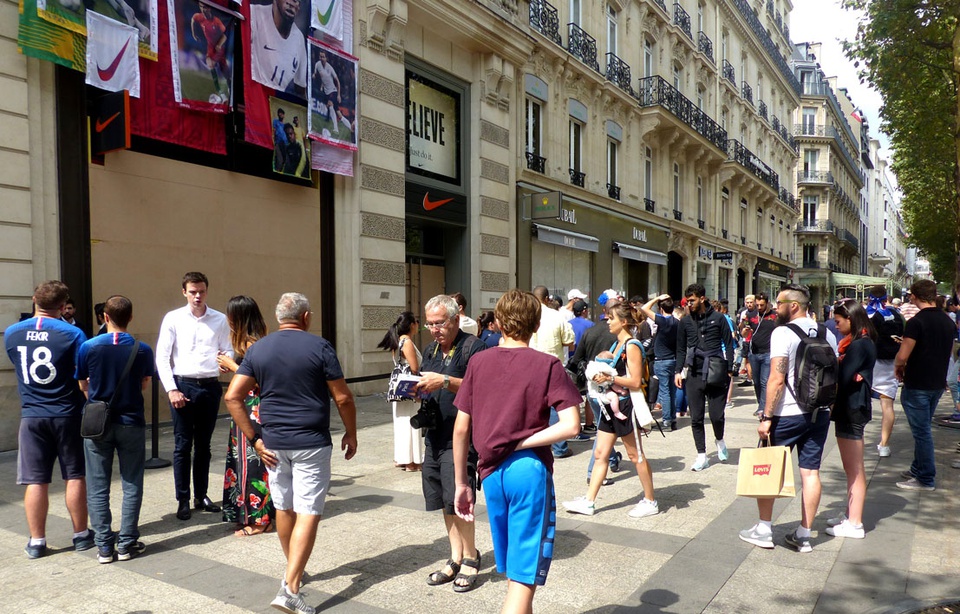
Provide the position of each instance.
(760, 349)
(297, 373)
(921, 364)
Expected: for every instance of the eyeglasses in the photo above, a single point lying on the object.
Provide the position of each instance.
(786, 302)
(437, 325)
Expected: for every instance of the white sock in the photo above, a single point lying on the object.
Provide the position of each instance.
(803, 532)
(765, 527)
(81, 534)
(701, 458)
(38, 541)
(721, 446)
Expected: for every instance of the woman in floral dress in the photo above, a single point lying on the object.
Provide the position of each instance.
(246, 493)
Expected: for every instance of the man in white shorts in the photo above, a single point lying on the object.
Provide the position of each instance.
(297, 372)
(889, 324)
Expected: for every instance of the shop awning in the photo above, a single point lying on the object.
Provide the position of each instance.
(631, 252)
(844, 279)
(566, 238)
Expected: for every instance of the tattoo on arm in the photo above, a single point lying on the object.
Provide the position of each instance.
(782, 366)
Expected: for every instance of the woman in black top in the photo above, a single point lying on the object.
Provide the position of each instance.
(858, 354)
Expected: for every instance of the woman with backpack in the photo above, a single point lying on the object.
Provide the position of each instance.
(851, 412)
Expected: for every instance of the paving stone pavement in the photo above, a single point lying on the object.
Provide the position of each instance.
(376, 546)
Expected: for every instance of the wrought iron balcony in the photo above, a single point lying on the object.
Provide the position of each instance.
(705, 46)
(618, 73)
(582, 46)
(545, 20)
(650, 205)
(701, 224)
(681, 18)
(576, 177)
(656, 91)
(678, 215)
(779, 21)
(814, 177)
(789, 200)
(786, 32)
(775, 123)
(770, 6)
(729, 73)
(815, 226)
(759, 246)
(762, 109)
(613, 191)
(849, 237)
(661, 4)
(743, 240)
(750, 16)
(813, 264)
(724, 233)
(535, 162)
(746, 158)
(809, 129)
(747, 92)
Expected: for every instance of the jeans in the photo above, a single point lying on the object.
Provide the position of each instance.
(952, 373)
(680, 400)
(919, 406)
(560, 448)
(663, 369)
(193, 426)
(129, 443)
(613, 452)
(760, 365)
(705, 398)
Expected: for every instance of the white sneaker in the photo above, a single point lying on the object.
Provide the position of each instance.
(955, 464)
(752, 536)
(285, 601)
(883, 451)
(846, 529)
(644, 508)
(839, 519)
(580, 505)
(700, 466)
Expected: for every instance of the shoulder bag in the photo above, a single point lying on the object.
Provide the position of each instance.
(400, 368)
(96, 414)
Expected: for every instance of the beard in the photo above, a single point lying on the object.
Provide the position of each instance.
(782, 319)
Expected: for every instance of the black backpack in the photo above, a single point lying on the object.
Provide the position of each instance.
(815, 371)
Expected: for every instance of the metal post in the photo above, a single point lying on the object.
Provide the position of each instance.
(155, 462)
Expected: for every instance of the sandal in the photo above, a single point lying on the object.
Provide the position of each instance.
(438, 577)
(250, 530)
(470, 580)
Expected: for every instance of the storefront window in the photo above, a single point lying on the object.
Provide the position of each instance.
(560, 268)
(633, 277)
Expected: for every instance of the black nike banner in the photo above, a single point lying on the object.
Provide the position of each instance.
(109, 123)
(432, 203)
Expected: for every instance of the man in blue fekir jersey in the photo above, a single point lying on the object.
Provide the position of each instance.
(100, 365)
(43, 350)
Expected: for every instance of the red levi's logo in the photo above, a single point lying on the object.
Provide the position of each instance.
(762, 469)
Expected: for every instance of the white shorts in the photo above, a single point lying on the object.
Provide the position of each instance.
(884, 383)
(301, 479)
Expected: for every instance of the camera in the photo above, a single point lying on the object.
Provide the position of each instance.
(428, 416)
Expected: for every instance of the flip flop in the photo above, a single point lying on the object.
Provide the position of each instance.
(471, 581)
(438, 577)
(250, 531)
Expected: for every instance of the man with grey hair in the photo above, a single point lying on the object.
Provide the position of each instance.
(297, 372)
(442, 369)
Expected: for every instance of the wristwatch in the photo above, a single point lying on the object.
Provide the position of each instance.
(765, 418)
(256, 437)
(446, 382)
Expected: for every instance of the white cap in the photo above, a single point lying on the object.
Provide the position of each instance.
(575, 294)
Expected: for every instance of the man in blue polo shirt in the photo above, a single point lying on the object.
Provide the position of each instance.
(100, 365)
(43, 350)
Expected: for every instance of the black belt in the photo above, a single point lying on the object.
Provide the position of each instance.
(197, 381)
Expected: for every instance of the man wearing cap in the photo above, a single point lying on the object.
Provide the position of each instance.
(572, 297)
(554, 336)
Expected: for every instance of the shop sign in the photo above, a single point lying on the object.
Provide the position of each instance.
(772, 268)
(433, 120)
(545, 206)
(706, 252)
(725, 256)
(639, 235)
(568, 215)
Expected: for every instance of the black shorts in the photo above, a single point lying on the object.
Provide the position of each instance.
(331, 98)
(439, 478)
(848, 430)
(44, 440)
(610, 424)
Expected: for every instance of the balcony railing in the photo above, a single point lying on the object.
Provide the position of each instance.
(724, 233)
(729, 73)
(743, 240)
(747, 12)
(775, 123)
(747, 92)
(678, 215)
(576, 177)
(613, 191)
(779, 21)
(770, 6)
(582, 46)
(813, 264)
(762, 109)
(814, 177)
(846, 235)
(759, 246)
(545, 20)
(701, 224)
(656, 91)
(650, 205)
(681, 19)
(746, 158)
(815, 226)
(705, 46)
(789, 200)
(618, 73)
(535, 162)
(809, 129)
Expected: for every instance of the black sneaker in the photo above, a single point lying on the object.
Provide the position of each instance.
(590, 429)
(615, 464)
(84, 542)
(801, 544)
(105, 554)
(35, 552)
(133, 550)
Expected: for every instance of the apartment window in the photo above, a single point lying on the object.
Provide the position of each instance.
(676, 187)
(534, 115)
(809, 254)
(743, 67)
(677, 77)
(810, 204)
(576, 145)
(743, 217)
(700, 199)
(700, 17)
(611, 30)
(811, 157)
(575, 11)
(809, 120)
(647, 58)
(612, 162)
(648, 174)
(724, 209)
(723, 45)
(700, 97)
(723, 119)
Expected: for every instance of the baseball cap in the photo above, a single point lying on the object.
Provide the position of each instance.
(575, 293)
(578, 307)
(606, 295)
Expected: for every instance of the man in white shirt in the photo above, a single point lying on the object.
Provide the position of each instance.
(278, 48)
(467, 324)
(554, 336)
(572, 297)
(190, 340)
(785, 423)
(329, 94)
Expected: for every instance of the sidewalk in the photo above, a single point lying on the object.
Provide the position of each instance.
(376, 546)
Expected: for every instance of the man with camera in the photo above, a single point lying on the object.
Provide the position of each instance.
(441, 370)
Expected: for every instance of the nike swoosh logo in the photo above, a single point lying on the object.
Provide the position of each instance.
(100, 127)
(430, 205)
(325, 19)
(107, 74)
(269, 48)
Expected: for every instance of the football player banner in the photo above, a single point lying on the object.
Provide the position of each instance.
(291, 148)
(333, 96)
(327, 16)
(201, 55)
(139, 14)
(45, 41)
(765, 473)
(112, 62)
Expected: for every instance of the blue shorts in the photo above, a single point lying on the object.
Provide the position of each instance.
(522, 510)
(800, 433)
(44, 440)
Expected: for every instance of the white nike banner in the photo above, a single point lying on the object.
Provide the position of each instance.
(112, 61)
(327, 16)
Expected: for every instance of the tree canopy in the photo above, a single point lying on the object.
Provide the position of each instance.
(909, 50)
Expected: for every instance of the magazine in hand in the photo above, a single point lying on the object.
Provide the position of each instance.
(406, 385)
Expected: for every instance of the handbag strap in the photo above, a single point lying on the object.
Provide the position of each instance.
(126, 371)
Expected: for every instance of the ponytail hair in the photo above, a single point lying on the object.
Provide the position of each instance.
(403, 326)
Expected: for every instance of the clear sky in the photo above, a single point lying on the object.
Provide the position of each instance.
(826, 22)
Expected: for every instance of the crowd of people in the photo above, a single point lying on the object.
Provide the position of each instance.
(499, 408)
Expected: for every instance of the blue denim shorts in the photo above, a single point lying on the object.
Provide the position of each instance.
(805, 436)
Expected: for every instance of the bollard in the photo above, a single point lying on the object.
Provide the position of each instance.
(155, 462)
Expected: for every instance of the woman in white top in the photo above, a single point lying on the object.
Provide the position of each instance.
(407, 441)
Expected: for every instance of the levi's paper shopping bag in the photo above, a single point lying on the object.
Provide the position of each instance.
(765, 472)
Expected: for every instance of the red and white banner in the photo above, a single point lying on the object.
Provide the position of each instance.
(112, 61)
